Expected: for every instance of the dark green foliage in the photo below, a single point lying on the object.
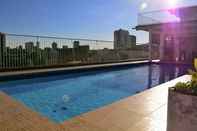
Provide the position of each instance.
(188, 87)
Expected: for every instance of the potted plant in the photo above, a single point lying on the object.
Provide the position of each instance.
(182, 105)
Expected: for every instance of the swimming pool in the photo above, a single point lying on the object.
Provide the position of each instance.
(62, 97)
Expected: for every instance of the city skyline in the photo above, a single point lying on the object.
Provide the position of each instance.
(20, 41)
(29, 53)
(88, 19)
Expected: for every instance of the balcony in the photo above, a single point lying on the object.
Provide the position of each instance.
(176, 15)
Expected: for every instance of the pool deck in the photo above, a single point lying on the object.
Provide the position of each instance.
(146, 111)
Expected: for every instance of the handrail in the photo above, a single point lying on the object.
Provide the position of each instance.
(54, 37)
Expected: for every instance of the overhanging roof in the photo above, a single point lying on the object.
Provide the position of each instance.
(171, 25)
(184, 17)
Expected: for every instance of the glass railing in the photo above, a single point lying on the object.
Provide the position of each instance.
(181, 14)
(158, 17)
(26, 51)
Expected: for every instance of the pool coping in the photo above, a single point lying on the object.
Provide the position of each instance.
(28, 74)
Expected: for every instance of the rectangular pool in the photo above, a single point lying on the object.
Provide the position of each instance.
(62, 97)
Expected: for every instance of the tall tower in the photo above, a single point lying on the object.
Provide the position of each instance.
(54, 46)
(76, 44)
(132, 41)
(2, 49)
(29, 46)
(121, 39)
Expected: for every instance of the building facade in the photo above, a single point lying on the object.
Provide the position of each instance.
(176, 39)
(2, 48)
(123, 41)
(80, 52)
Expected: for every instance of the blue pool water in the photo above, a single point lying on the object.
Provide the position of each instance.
(62, 97)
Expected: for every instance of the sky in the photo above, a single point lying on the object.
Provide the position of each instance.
(93, 19)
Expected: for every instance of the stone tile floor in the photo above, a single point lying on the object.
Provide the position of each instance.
(146, 111)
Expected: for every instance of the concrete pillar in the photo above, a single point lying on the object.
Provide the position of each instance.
(177, 50)
(150, 73)
(161, 46)
(150, 46)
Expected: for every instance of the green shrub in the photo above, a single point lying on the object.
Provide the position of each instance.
(193, 74)
(188, 87)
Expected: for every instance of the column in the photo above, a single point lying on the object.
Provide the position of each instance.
(161, 47)
(150, 46)
(177, 50)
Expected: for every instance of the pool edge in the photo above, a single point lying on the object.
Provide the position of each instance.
(18, 75)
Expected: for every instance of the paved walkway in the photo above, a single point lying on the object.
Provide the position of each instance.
(146, 111)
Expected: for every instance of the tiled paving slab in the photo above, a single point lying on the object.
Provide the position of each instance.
(146, 111)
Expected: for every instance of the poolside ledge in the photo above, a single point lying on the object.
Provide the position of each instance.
(25, 74)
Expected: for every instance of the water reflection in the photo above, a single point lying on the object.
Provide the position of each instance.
(162, 73)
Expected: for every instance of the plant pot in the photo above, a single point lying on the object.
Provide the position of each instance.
(182, 112)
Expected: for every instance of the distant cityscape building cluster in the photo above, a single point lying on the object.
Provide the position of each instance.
(38, 54)
(32, 55)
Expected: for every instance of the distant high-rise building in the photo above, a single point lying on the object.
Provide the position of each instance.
(2, 47)
(29, 46)
(37, 44)
(76, 44)
(2, 40)
(132, 41)
(122, 40)
(64, 47)
(80, 52)
(54, 45)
